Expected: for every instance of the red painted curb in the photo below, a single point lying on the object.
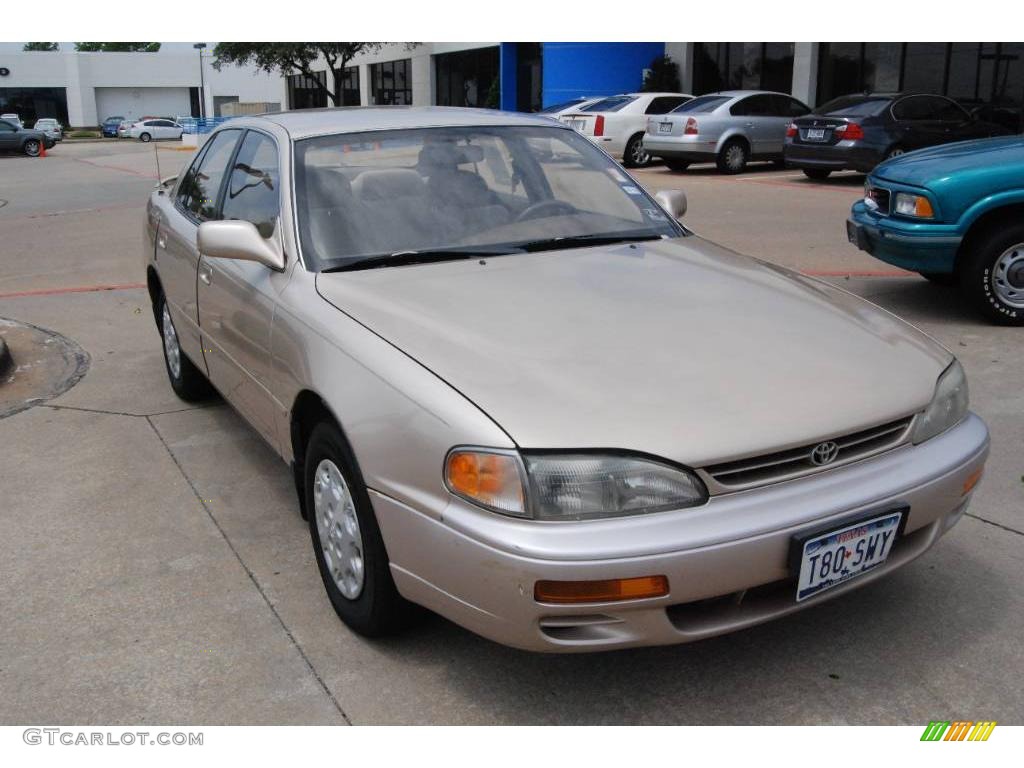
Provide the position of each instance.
(74, 289)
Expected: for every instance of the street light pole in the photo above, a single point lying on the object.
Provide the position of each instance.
(202, 83)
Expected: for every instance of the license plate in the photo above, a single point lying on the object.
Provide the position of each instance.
(833, 558)
(815, 134)
(664, 127)
(577, 125)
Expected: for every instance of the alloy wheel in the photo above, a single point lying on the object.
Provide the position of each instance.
(735, 157)
(639, 154)
(32, 148)
(338, 529)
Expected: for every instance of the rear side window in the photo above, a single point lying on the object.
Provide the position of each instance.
(751, 106)
(702, 105)
(201, 184)
(254, 190)
(661, 105)
(611, 104)
(927, 108)
(787, 106)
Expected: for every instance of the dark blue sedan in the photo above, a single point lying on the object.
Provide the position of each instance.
(110, 126)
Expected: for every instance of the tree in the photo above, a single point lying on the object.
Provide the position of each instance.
(41, 47)
(662, 76)
(288, 58)
(118, 47)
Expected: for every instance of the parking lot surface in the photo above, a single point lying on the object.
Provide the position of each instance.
(154, 567)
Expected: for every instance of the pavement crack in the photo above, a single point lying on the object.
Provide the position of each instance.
(992, 522)
(252, 576)
(125, 413)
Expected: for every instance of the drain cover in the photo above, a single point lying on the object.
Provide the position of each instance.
(42, 365)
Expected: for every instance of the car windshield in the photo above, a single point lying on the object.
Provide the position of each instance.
(470, 190)
(853, 106)
(611, 104)
(701, 105)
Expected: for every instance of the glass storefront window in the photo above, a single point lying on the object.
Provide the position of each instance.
(347, 80)
(304, 92)
(392, 82)
(924, 67)
(755, 66)
(467, 78)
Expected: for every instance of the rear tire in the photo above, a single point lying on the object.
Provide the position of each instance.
(733, 157)
(635, 156)
(991, 275)
(31, 148)
(356, 572)
(145, 138)
(187, 381)
(677, 165)
(818, 174)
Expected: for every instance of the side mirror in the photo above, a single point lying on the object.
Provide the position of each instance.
(673, 201)
(238, 240)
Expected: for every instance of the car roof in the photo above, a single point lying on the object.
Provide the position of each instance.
(302, 123)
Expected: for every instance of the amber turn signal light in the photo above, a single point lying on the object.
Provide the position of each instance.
(972, 480)
(603, 591)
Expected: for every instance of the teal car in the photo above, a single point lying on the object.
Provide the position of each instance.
(955, 214)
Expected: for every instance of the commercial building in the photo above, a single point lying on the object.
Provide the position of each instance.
(988, 77)
(82, 89)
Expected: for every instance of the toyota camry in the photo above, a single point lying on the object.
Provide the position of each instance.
(514, 389)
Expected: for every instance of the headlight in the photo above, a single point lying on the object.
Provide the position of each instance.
(569, 486)
(947, 408)
(913, 205)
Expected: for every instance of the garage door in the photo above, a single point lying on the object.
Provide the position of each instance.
(135, 103)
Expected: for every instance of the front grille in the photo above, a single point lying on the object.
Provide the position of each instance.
(880, 197)
(773, 467)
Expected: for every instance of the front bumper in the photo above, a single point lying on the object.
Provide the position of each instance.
(727, 562)
(919, 246)
(846, 155)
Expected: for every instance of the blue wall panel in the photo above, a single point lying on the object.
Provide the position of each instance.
(508, 60)
(594, 69)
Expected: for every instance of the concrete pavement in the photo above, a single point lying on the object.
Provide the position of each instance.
(154, 567)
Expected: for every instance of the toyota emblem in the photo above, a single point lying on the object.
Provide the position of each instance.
(824, 453)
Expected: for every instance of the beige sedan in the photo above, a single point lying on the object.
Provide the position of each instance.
(513, 389)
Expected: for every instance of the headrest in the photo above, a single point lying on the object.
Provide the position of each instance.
(446, 155)
(325, 186)
(388, 184)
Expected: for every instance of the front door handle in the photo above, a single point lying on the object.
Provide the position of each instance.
(205, 274)
(161, 241)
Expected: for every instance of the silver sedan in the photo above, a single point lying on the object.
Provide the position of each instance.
(728, 128)
(514, 389)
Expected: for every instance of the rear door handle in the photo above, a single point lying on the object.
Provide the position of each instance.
(205, 274)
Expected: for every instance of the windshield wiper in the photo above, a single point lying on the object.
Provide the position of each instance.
(425, 256)
(573, 241)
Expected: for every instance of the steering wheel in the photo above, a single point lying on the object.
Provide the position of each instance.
(546, 208)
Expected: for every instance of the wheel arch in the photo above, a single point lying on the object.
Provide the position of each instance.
(994, 217)
(155, 289)
(309, 409)
(733, 136)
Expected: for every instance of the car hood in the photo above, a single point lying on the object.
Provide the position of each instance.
(677, 348)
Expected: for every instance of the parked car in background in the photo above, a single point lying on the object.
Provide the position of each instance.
(858, 132)
(160, 128)
(13, 119)
(954, 214)
(461, 342)
(111, 124)
(728, 128)
(617, 123)
(14, 138)
(124, 127)
(50, 127)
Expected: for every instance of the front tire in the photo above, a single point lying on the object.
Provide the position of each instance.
(187, 381)
(635, 156)
(347, 542)
(818, 174)
(733, 157)
(677, 165)
(992, 274)
(31, 148)
(145, 138)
